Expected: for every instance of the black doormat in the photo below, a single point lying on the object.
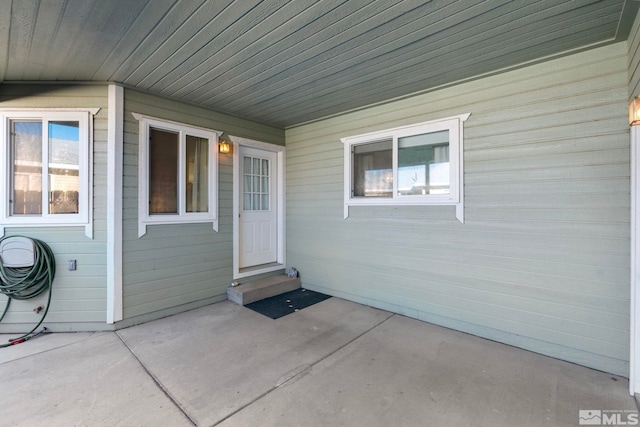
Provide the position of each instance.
(287, 303)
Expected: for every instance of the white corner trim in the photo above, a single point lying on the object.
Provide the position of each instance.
(634, 300)
(115, 148)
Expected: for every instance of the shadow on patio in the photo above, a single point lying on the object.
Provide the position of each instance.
(335, 363)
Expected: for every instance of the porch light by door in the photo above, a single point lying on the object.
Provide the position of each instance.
(634, 112)
(224, 147)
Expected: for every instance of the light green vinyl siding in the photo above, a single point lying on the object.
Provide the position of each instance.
(542, 260)
(633, 44)
(79, 297)
(174, 267)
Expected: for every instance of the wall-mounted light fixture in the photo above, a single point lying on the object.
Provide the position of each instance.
(634, 112)
(224, 146)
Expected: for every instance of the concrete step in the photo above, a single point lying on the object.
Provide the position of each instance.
(257, 290)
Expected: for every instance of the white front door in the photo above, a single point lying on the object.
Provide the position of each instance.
(258, 216)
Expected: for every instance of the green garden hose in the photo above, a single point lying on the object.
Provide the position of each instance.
(23, 283)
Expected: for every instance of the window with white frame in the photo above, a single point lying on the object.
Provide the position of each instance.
(46, 176)
(178, 170)
(420, 164)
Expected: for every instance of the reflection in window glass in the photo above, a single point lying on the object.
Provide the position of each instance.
(372, 169)
(197, 171)
(163, 172)
(423, 164)
(26, 150)
(64, 167)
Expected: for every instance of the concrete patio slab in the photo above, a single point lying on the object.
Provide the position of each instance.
(40, 344)
(411, 373)
(334, 363)
(92, 382)
(216, 360)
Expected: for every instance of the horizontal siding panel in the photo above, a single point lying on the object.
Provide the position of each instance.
(544, 250)
(518, 149)
(585, 172)
(567, 187)
(154, 305)
(480, 312)
(162, 289)
(179, 270)
(530, 236)
(482, 92)
(172, 110)
(538, 214)
(449, 272)
(634, 58)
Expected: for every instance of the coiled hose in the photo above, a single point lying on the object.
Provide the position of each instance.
(23, 283)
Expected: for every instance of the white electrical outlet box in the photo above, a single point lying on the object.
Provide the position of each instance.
(17, 252)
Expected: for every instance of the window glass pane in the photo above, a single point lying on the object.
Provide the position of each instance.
(163, 171)
(197, 170)
(249, 187)
(26, 151)
(64, 167)
(255, 184)
(423, 164)
(372, 169)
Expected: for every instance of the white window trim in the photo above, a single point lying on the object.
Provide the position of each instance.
(144, 218)
(456, 149)
(85, 197)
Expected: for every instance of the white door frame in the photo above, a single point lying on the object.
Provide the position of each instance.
(280, 205)
(634, 357)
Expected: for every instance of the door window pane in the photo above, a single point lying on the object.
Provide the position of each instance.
(26, 150)
(372, 169)
(64, 167)
(423, 164)
(197, 170)
(163, 171)
(255, 184)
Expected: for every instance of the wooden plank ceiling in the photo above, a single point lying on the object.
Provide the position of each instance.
(289, 62)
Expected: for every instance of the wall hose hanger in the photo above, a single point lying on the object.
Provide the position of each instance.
(27, 269)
